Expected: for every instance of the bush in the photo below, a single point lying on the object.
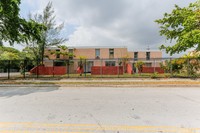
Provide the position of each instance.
(154, 75)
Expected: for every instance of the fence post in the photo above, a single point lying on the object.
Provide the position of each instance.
(85, 68)
(53, 69)
(24, 69)
(154, 68)
(171, 67)
(101, 70)
(188, 69)
(37, 69)
(118, 68)
(68, 61)
(8, 69)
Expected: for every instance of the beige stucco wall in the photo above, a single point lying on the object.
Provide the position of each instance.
(89, 53)
(156, 54)
(47, 52)
(130, 54)
(153, 54)
(48, 62)
(141, 55)
(120, 52)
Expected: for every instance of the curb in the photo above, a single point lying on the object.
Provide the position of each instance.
(102, 83)
(99, 85)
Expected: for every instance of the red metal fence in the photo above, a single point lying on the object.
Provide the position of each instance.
(152, 70)
(44, 70)
(107, 70)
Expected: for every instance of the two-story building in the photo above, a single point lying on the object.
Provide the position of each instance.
(103, 56)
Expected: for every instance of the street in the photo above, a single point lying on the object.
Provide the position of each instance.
(98, 109)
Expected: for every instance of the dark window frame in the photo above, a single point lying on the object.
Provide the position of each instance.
(135, 56)
(57, 55)
(148, 55)
(71, 51)
(110, 63)
(111, 52)
(97, 56)
(148, 64)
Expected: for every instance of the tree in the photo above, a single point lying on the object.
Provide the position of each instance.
(183, 26)
(81, 63)
(124, 61)
(31, 53)
(9, 57)
(1, 43)
(63, 51)
(188, 64)
(50, 37)
(192, 64)
(15, 29)
(13, 58)
(139, 66)
(9, 53)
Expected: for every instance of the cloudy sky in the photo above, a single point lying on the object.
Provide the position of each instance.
(128, 23)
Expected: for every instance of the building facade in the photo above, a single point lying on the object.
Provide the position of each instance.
(101, 56)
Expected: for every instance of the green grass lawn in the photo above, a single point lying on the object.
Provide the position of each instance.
(142, 75)
(88, 75)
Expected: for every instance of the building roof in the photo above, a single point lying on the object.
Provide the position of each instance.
(153, 50)
(54, 47)
(97, 47)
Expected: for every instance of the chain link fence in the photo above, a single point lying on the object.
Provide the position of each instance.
(101, 68)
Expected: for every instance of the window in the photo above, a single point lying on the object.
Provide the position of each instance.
(110, 63)
(71, 53)
(147, 55)
(135, 56)
(148, 64)
(59, 63)
(57, 53)
(97, 53)
(111, 53)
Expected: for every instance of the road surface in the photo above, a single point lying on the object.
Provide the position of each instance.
(110, 110)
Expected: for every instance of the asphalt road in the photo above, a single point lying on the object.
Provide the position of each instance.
(116, 110)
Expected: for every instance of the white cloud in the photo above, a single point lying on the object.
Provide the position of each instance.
(113, 22)
(85, 36)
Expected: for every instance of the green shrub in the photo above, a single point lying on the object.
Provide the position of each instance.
(154, 75)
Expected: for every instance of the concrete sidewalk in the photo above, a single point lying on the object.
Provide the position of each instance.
(105, 82)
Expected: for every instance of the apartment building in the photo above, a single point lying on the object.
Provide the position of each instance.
(102, 56)
(151, 58)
